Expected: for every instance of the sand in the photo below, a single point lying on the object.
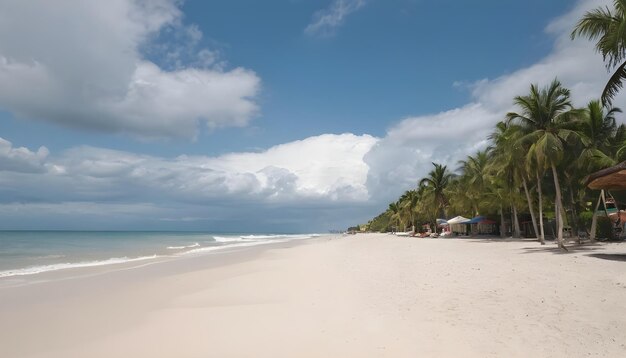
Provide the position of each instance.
(358, 296)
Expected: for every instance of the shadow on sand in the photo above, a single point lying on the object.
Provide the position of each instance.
(574, 248)
(611, 257)
(571, 248)
(496, 239)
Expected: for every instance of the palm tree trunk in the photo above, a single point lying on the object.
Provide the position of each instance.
(556, 217)
(501, 222)
(559, 203)
(530, 207)
(542, 237)
(574, 223)
(517, 234)
(594, 220)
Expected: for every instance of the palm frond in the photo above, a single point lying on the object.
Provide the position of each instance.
(614, 84)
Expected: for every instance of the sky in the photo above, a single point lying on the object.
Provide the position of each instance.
(259, 116)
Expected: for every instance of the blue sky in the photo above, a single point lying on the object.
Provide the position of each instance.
(190, 115)
(387, 60)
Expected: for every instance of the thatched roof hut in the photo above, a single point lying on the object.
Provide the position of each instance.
(613, 178)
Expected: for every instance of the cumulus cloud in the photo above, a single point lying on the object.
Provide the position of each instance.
(405, 154)
(81, 64)
(324, 168)
(21, 160)
(326, 21)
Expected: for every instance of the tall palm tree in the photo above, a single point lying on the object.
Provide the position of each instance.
(607, 27)
(507, 162)
(545, 117)
(436, 182)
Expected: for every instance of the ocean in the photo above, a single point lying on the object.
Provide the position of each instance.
(32, 252)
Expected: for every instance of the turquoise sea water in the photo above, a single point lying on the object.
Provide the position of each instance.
(32, 252)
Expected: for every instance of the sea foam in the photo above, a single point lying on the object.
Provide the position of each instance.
(231, 246)
(183, 247)
(228, 238)
(63, 266)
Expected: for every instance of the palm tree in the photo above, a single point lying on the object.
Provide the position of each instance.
(495, 197)
(474, 169)
(601, 139)
(546, 119)
(597, 129)
(436, 182)
(394, 218)
(617, 144)
(607, 27)
(507, 161)
(408, 204)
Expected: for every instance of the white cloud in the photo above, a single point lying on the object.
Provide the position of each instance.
(326, 21)
(324, 168)
(79, 64)
(21, 159)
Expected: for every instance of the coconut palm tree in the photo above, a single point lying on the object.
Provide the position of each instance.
(617, 144)
(464, 203)
(474, 169)
(597, 128)
(394, 217)
(607, 27)
(546, 118)
(436, 182)
(495, 197)
(507, 160)
(408, 205)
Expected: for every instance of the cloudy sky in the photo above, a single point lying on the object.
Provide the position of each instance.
(259, 116)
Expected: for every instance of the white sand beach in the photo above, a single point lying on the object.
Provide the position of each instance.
(370, 295)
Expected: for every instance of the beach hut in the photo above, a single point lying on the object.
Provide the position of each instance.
(482, 225)
(613, 178)
(458, 225)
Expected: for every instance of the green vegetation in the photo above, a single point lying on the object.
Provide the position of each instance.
(538, 157)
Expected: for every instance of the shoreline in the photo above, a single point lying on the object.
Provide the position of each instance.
(35, 273)
(230, 252)
(368, 295)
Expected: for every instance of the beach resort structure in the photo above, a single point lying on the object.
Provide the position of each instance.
(607, 180)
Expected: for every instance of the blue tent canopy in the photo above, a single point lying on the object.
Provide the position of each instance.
(481, 220)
